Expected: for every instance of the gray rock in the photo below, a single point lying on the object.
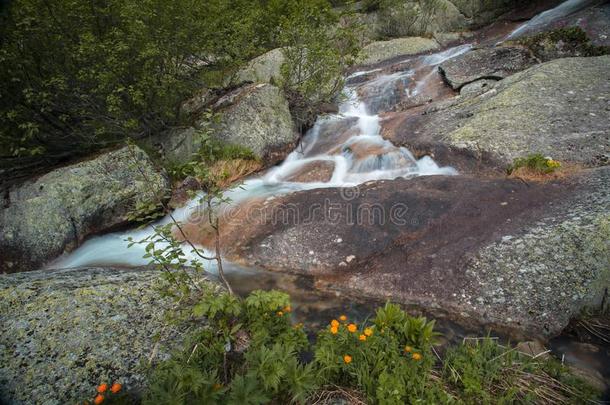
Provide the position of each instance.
(258, 118)
(177, 145)
(382, 50)
(486, 63)
(255, 116)
(481, 12)
(559, 109)
(593, 18)
(521, 258)
(56, 212)
(63, 332)
(263, 69)
(477, 87)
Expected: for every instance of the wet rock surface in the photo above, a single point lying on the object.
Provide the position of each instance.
(53, 214)
(486, 63)
(558, 108)
(523, 257)
(63, 332)
(316, 171)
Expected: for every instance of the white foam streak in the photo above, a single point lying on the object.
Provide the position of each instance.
(363, 157)
(563, 10)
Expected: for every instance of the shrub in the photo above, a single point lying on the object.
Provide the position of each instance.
(250, 352)
(483, 371)
(77, 75)
(399, 18)
(536, 163)
(319, 45)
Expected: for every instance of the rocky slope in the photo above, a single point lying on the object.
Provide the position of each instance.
(558, 108)
(63, 332)
(254, 116)
(524, 257)
(53, 214)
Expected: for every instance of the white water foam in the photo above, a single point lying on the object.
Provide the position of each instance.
(378, 159)
(562, 10)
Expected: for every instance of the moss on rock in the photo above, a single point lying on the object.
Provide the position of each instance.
(63, 332)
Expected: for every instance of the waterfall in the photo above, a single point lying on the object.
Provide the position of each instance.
(349, 141)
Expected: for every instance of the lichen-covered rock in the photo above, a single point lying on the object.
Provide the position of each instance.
(266, 68)
(499, 252)
(176, 146)
(558, 108)
(257, 117)
(486, 63)
(562, 43)
(477, 87)
(63, 332)
(382, 50)
(56, 212)
(481, 12)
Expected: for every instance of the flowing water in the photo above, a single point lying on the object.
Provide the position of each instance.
(547, 17)
(341, 150)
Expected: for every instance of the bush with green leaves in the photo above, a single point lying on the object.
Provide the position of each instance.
(319, 45)
(536, 163)
(389, 360)
(77, 75)
(250, 352)
(400, 18)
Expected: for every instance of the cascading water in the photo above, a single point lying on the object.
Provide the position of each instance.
(348, 144)
(562, 10)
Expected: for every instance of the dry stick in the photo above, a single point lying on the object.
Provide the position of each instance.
(214, 224)
(197, 252)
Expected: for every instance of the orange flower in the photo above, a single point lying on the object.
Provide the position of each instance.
(334, 330)
(102, 388)
(408, 349)
(362, 337)
(352, 327)
(343, 318)
(217, 387)
(334, 323)
(280, 313)
(416, 356)
(368, 331)
(116, 387)
(98, 399)
(347, 359)
(298, 326)
(288, 309)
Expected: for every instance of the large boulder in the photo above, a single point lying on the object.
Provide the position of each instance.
(558, 108)
(266, 68)
(486, 63)
(382, 50)
(53, 214)
(63, 332)
(496, 251)
(482, 12)
(257, 117)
